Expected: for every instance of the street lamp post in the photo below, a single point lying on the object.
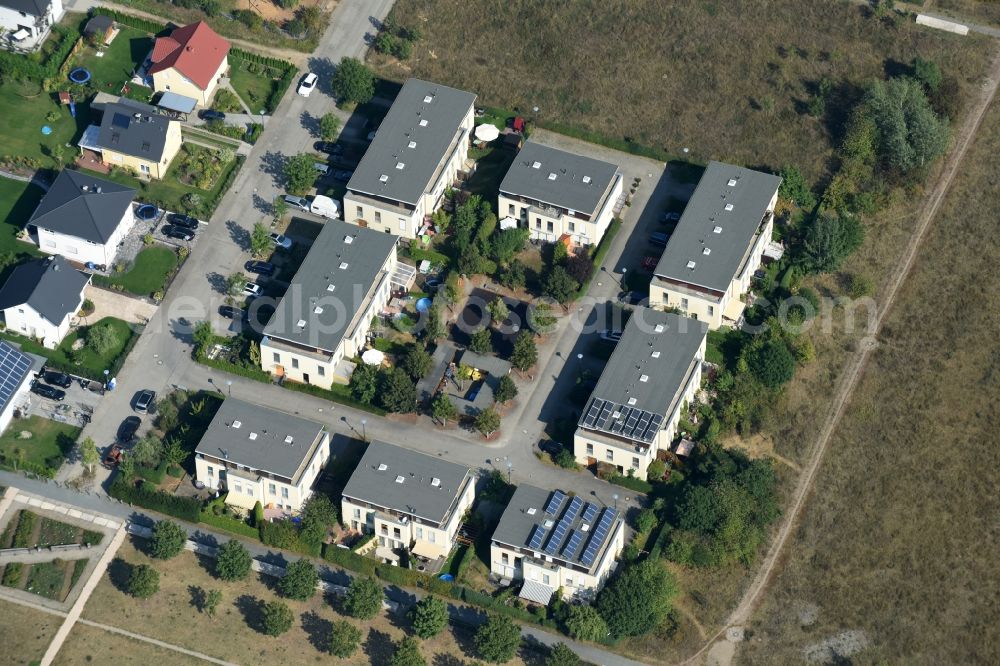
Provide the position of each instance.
(229, 387)
(615, 496)
(364, 432)
(510, 466)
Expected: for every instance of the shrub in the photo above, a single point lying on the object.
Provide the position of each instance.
(429, 616)
(299, 581)
(145, 495)
(102, 339)
(279, 534)
(344, 639)
(645, 521)
(560, 655)
(497, 639)
(636, 600)
(277, 618)
(143, 582)
(233, 561)
(168, 540)
(363, 599)
(586, 624)
(773, 364)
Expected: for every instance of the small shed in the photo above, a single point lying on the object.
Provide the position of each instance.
(179, 104)
(99, 28)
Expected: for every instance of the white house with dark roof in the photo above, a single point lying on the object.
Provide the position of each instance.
(324, 317)
(555, 193)
(719, 242)
(261, 455)
(26, 23)
(634, 409)
(83, 218)
(416, 154)
(16, 372)
(410, 501)
(41, 297)
(552, 540)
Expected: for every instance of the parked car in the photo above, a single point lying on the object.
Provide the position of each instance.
(56, 378)
(179, 233)
(671, 216)
(281, 240)
(322, 167)
(113, 457)
(46, 391)
(231, 312)
(343, 176)
(611, 335)
(307, 84)
(128, 428)
(324, 207)
(328, 147)
(260, 268)
(659, 238)
(296, 202)
(184, 221)
(252, 289)
(144, 403)
(631, 297)
(211, 114)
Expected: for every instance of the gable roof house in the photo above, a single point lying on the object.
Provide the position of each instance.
(555, 194)
(261, 455)
(16, 372)
(409, 500)
(135, 136)
(417, 153)
(719, 242)
(83, 218)
(26, 23)
(634, 409)
(40, 298)
(190, 61)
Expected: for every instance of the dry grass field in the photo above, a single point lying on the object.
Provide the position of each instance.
(894, 559)
(729, 80)
(90, 645)
(25, 632)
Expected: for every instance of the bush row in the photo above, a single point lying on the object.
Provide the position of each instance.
(27, 67)
(279, 88)
(144, 495)
(255, 374)
(228, 524)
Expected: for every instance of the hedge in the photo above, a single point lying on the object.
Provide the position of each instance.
(348, 560)
(25, 67)
(362, 542)
(333, 396)
(242, 371)
(185, 508)
(632, 483)
(228, 524)
(25, 526)
(269, 61)
(279, 89)
(600, 252)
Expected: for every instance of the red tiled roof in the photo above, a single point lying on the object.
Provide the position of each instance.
(196, 51)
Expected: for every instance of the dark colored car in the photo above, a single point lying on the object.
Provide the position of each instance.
(260, 268)
(144, 403)
(56, 378)
(611, 335)
(179, 233)
(128, 428)
(231, 312)
(184, 221)
(342, 176)
(659, 238)
(46, 391)
(328, 147)
(211, 114)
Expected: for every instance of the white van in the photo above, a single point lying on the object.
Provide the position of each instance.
(324, 207)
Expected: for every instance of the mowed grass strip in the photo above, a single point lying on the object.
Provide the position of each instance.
(25, 632)
(18, 201)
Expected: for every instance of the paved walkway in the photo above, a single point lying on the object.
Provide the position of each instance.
(154, 641)
(46, 554)
(109, 303)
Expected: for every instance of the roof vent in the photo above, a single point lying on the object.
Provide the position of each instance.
(382, 467)
(706, 251)
(584, 528)
(552, 176)
(729, 206)
(331, 287)
(344, 265)
(412, 144)
(690, 264)
(717, 230)
(536, 165)
(616, 415)
(253, 436)
(288, 439)
(436, 482)
(658, 328)
(423, 122)
(400, 165)
(348, 239)
(732, 182)
(318, 309)
(643, 378)
(399, 479)
(301, 323)
(532, 511)
(428, 99)
(586, 180)
(383, 178)
(549, 524)
(237, 424)
(655, 354)
(632, 401)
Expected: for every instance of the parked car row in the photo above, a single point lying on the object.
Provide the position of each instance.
(317, 205)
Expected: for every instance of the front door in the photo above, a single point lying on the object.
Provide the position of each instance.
(305, 377)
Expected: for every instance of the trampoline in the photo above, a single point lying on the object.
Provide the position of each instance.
(79, 75)
(423, 305)
(46, 130)
(146, 212)
(446, 577)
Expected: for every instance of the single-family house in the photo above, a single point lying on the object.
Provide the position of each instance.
(417, 152)
(190, 61)
(410, 501)
(554, 540)
(258, 454)
(41, 297)
(719, 242)
(324, 317)
(26, 23)
(134, 136)
(17, 370)
(633, 411)
(83, 218)
(557, 194)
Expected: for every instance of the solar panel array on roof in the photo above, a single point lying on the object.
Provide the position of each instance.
(630, 422)
(555, 502)
(13, 367)
(573, 545)
(559, 533)
(598, 537)
(537, 534)
(589, 513)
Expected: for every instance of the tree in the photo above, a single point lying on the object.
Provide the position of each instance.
(928, 73)
(211, 603)
(417, 362)
(407, 653)
(429, 616)
(506, 243)
(103, 339)
(586, 624)
(260, 238)
(433, 325)
(299, 581)
(498, 310)
(143, 582)
(364, 383)
(559, 285)
(525, 353)
(329, 125)
(278, 618)
(233, 561)
(279, 207)
(794, 188)
(443, 409)
(497, 639)
(173, 453)
(772, 364)
(645, 520)
(909, 135)
(89, 455)
(146, 451)
(506, 390)
(203, 336)
(514, 276)
(363, 599)
(299, 173)
(560, 655)
(481, 341)
(542, 318)
(168, 540)
(397, 392)
(580, 267)
(235, 284)
(829, 240)
(318, 514)
(452, 290)
(353, 82)
(386, 43)
(488, 421)
(636, 600)
(344, 639)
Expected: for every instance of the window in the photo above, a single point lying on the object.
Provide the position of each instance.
(545, 579)
(548, 225)
(402, 224)
(505, 558)
(711, 310)
(572, 226)
(431, 536)
(510, 209)
(238, 487)
(277, 357)
(284, 493)
(20, 311)
(250, 491)
(538, 223)
(322, 370)
(684, 304)
(395, 532)
(420, 533)
(378, 216)
(357, 513)
(610, 454)
(144, 168)
(635, 463)
(569, 582)
(295, 362)
(361, 211)
(590, 449)
(273, 489)
(210, 470)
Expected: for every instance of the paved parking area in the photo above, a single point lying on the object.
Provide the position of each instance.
(135, 240)
(79, 402)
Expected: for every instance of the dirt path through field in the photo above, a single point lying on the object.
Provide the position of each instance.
(845, 387)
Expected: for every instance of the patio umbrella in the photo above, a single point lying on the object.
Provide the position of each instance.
(487, 132)
(373, 357)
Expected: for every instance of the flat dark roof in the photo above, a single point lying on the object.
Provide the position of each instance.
(558, 178)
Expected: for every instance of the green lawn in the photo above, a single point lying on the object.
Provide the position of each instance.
(148, 273)
(88, 363)
(253, 89)
(23, 111)
(49, 443)
(115, 67)
(490, 170)
(17, 202)
(46, 579)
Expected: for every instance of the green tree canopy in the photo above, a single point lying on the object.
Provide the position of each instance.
(344, 639)
(211, 602)
(203, 335)
(397, 392)
(89, 455)
(103, 339)
(560, 655)
(794, 188)
(143, 581)
(443, 409)
(497, 639)
(525, 353)
(488, 421)
(299, 581)
(580, 267)
(329, 125)
(586, 624)
(829, 240)
(417, 362)
(429, 616)
(506, 243)
(909, 134)
(364, 383)
(353, 82)
(233, 561)
(559, 284)
(407, 653)
(168, 540)
(363, 599)
(300, 173)
(773, 364)
(277, 618)
(498, 310)
(260, 238)
(506, 390)
(481, 341)
(636, 599)
(433, 324)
